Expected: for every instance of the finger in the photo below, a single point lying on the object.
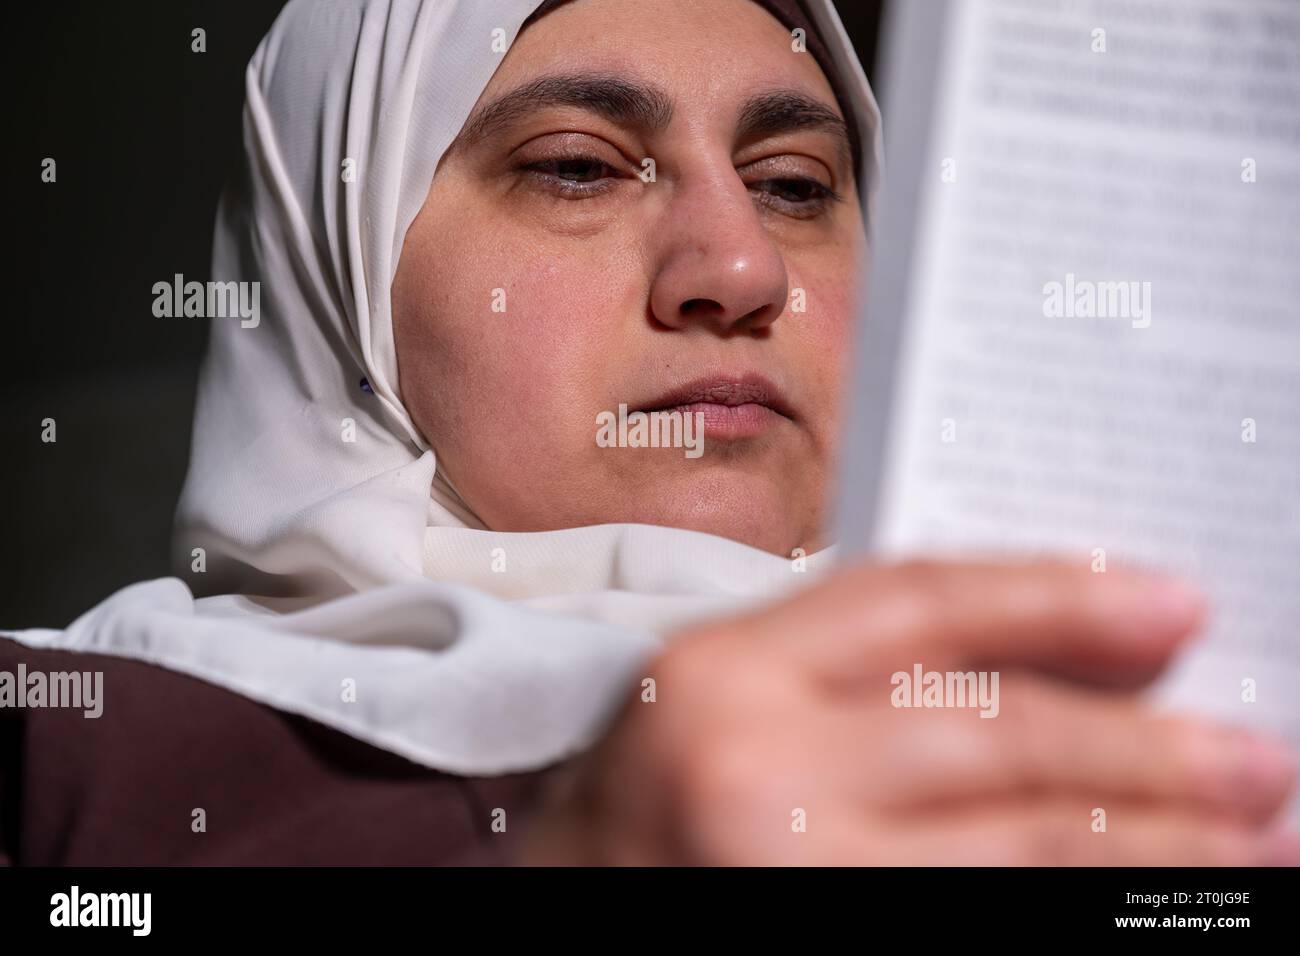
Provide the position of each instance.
(1062, 832)
(1119, 627)
(1101, 746)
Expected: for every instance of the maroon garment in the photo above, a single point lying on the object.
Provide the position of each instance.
(121, 789)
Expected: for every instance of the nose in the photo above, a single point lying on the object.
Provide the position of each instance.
(717, 265)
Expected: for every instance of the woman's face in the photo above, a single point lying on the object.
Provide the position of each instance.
(547, 279)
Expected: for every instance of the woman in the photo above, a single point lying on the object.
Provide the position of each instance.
(479, 228)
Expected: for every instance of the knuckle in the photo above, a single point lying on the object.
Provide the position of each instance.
(692, 659)
(1023, 731)
(920, 575)
(717, 774)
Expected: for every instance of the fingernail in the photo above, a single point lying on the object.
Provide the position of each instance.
(1176, 599)
(1260, 769)
(1269, 763)
(1157, 605)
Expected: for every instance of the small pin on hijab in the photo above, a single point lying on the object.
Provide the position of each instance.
(365, 385)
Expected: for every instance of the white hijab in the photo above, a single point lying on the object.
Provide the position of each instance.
(383, 610)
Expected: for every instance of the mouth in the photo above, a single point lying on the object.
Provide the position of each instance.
(733, 406)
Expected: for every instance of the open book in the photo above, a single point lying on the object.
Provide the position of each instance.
(1082, 331)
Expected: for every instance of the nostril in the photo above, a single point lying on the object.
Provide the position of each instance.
(759, 318)
(697, 306)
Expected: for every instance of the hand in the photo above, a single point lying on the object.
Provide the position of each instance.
(774, 738)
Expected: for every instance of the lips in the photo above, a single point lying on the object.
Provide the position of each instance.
(733, 406)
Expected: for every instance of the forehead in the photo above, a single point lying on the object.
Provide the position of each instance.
(706, 56)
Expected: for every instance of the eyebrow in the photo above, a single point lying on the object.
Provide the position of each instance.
(782, 111)
(648, 108)
(618, 100)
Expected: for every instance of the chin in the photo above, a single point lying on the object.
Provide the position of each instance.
(769, 518)
(764, 537)
(770, 504)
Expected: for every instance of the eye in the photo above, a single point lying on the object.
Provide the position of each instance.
(795, 195)
(574, 176)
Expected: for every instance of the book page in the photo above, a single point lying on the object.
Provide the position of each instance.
(1100, 351)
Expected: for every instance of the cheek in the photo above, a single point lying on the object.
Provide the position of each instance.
(832, 281)
(826, 330)
(514, 340)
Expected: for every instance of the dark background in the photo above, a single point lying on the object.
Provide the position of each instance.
(144, 133)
